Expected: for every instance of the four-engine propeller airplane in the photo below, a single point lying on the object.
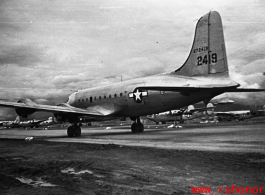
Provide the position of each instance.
(179, 116)
(241, 115)
(11, 124)
(17, 123)
(203, 76)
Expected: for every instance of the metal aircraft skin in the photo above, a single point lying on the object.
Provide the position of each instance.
(203, 76)
(182, 115)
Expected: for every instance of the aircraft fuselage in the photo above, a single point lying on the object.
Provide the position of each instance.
(127, 101)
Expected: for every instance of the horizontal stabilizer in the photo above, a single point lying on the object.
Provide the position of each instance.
(198, 88)
(185, 88)
(245, 90)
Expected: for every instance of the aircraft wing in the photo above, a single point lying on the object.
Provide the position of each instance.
(201, 109)
(178, 89)
(63, 108)
(224, 113)
(229, 113)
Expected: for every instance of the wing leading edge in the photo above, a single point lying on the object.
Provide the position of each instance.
(63, 108)
(202, 109)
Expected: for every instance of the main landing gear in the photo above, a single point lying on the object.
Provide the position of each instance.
(137, 126)
(176, 123)
(74, 130)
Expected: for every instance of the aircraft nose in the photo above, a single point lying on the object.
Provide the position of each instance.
(71, 99)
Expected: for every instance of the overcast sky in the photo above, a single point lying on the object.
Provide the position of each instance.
(50, 47)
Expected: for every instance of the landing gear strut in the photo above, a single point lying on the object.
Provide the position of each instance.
(137, 126)
(176, 123)
(74, 130)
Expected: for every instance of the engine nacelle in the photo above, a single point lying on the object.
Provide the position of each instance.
(24, 112)
(210, 111)
(188, 111)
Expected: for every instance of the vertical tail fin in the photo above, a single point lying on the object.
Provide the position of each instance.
(17, 119)
(208, 54)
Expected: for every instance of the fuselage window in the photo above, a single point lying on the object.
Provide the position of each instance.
(95, 98)
(90, 99)
(109, 96)
(115, 95)
(100, 97)
(83, 100)
(104, 97)
(120, 94)
(87, 99)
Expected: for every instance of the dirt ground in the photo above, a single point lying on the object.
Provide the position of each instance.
(78, 168)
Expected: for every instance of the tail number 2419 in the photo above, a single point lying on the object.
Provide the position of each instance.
(205, 60)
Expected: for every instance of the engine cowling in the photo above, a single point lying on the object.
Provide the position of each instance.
(210, 111)
(24, 112)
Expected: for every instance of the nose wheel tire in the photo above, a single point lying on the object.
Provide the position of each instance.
(74, 131)
(71, 131)
(78, 131)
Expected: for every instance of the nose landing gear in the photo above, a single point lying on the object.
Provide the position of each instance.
(74, 130)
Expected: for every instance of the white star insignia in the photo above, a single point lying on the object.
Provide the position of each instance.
(137, 95)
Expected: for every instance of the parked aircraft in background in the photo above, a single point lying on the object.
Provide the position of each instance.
(28, 124)
(11, 124)
(178, 116)
(49, 122)
(203, 76)
(240, 115)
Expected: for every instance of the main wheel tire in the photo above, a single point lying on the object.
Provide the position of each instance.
(140, 128)
(77, 131)
(134, 128)
(137, 128)
(71, 131)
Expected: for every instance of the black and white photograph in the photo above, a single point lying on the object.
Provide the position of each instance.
(132, 97)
